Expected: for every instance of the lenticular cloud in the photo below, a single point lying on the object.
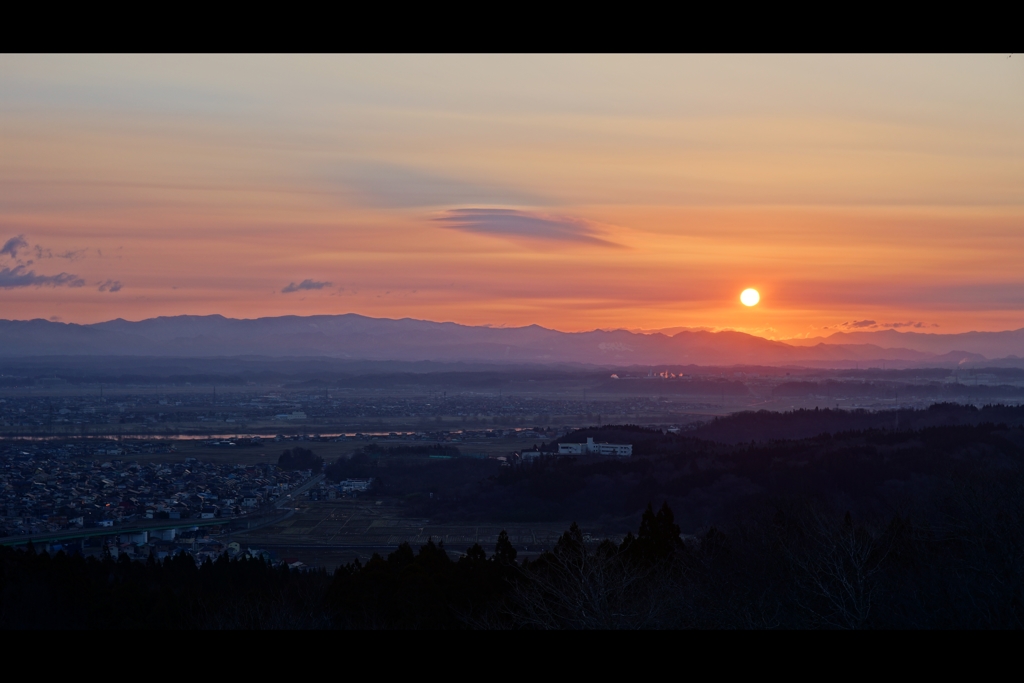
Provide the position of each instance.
(513, 223)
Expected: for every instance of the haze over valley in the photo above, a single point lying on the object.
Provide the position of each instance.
(358, 337)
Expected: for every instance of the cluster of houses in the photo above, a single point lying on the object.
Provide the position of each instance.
(49, 491)
(590, 447)
(142, 545)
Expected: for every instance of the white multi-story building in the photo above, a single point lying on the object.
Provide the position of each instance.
(595, 448)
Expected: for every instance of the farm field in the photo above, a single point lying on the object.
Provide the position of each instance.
(328, 450)
(330, 533)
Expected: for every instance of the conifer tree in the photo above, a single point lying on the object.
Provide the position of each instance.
(504, 552)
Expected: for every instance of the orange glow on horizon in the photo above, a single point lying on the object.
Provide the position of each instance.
(571, 192)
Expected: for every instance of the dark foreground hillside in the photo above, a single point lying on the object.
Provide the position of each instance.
(869, 472)
(789, 566)
(876, 528)
(764, 425)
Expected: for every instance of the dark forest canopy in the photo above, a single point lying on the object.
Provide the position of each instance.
(788, 564)
(865, 470)
(403, 460)
(764, 425)
(300, 459)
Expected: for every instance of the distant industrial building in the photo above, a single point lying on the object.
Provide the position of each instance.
(591, 448)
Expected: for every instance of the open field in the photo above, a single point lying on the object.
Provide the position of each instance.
(167, 424)
(66, 410)
(330, 533)
(328, 450)
(70, 412)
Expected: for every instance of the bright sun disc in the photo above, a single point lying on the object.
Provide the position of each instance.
(750, 297)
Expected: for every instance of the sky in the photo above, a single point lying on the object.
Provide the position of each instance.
(574, 192)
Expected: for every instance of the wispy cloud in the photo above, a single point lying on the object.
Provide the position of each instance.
(522, 224)
(909, 323)
(110, 286)
(19, 245)
(19, 276)
(872, 325)
(14, 245)
(16, 272)
(304, 285)
(395, 186)
(71, 255)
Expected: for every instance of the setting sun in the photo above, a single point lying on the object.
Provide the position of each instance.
(455, 203)
(750, 297)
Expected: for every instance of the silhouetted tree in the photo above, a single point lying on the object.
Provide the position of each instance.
(504, 552)
(300, 459)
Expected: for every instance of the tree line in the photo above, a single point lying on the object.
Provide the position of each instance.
(790, 565)
(862, 529)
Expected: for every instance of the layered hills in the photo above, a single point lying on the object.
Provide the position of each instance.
(356, 337)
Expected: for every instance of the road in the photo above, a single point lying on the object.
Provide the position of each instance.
(72, 534)
(289, 500)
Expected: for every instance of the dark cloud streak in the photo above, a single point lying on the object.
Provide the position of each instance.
(871, 324)
(71, 255)
(110, 286)
(18, 276)
(304, 285)
(13, 245)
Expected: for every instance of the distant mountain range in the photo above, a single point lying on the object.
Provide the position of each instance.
(361, 338)
(988, 344)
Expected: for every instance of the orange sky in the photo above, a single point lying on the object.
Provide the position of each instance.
(569, 191)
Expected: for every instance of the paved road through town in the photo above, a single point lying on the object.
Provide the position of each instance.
(288, 500)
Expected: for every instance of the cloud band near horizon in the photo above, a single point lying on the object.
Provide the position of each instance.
(305, 285)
